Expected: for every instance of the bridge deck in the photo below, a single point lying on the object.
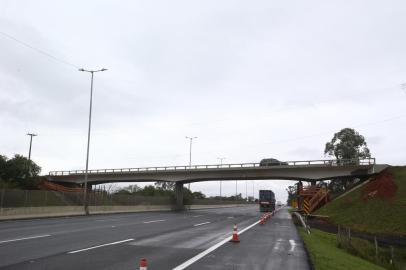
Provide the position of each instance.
(294, 170)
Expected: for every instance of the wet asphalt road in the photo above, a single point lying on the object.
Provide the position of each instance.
(166, 239)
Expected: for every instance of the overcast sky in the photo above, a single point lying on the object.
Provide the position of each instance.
(250, 79)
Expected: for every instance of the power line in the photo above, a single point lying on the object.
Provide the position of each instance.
(321, 133)
(403, 87)
(38, 50)
(331, 131)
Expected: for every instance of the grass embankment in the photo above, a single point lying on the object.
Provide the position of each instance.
(326, 255)
(373, 214)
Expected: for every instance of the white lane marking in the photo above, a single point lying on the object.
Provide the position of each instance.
(25, 238)
(276, 246)
(198, 216)
(152, 221)
(200, 224)
(230, 217)
(104, 245)
(210, 249)
(292, 245)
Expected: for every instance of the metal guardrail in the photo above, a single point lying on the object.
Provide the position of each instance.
(323, 162)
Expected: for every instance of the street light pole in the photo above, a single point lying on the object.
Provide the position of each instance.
(235, 189)
(253, 196)
(190, 153)
(85, 201)
(221, 163)
(246, 190)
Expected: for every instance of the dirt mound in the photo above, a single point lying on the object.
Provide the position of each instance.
(382, 187)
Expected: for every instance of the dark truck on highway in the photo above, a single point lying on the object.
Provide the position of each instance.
(266, 201)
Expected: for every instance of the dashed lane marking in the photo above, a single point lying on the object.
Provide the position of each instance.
(200, 224)
(292, 245)
(276, 246)
(25, 238)
(153, 221)
(210, 249)
(104, 245)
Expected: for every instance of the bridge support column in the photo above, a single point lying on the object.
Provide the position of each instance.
(179, 196)
(299, 198)
(313, 183)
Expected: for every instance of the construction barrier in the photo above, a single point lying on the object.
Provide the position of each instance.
(306, 206)
(235, 238)
(143, 264)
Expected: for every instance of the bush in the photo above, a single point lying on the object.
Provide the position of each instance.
(19, 172)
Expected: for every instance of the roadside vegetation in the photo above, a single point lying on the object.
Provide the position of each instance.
(18, 173)
(346, 144)
(160, 189)
(167, 189)
(374, 210)
(377, 208)
(387, 256)
(326, 254)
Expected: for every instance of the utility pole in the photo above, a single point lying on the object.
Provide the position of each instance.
(221, 163)
(29, 151)
(85, 201)
(190, 153)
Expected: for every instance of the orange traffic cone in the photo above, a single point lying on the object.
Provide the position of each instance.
(143, 264)
(235, 235)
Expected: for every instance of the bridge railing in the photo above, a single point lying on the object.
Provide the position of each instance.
(322, 162)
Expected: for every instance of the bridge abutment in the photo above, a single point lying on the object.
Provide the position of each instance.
(179, 196)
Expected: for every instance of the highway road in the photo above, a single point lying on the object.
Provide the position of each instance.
(168, 240)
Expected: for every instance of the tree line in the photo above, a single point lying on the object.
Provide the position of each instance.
(167, 189)
(18, 172)
(159, 189)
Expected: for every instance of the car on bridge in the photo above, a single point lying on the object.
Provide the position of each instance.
(272, 162)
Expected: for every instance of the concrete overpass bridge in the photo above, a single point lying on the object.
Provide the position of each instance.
(309, 170)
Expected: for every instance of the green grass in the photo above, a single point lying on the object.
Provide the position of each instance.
(388, 257)
(375, 215)
(326, 255)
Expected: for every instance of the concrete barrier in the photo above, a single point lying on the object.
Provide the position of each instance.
(60, 211)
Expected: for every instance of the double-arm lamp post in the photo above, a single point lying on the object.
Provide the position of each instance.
(85, 200)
